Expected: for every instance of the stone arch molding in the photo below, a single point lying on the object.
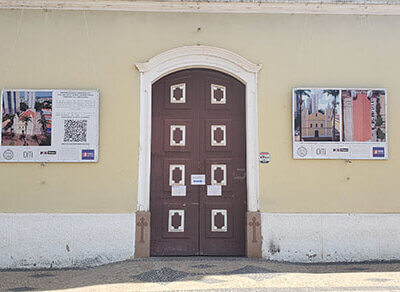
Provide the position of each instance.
(198, 57)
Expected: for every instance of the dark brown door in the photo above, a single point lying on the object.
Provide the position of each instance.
(198, 164)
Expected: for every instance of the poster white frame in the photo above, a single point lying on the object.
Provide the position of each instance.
(310, 146)
(92, 148)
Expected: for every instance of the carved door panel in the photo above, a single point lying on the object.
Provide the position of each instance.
(198, 127)
(174, 203)
(223, 155)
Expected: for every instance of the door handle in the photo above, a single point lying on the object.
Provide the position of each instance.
(240, 177)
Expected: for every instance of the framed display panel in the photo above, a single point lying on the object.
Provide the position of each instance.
(339, 123)
(49, 125)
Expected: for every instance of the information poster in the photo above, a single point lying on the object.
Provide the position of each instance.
(49, 125)
(339, 123)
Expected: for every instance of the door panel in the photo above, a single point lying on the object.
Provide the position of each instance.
(178, 135)
(198, 127)
(218, 135)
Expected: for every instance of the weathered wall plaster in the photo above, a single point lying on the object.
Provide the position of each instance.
(65, 240)
(330, 237)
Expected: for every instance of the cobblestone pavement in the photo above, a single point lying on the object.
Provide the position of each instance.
(204, 273)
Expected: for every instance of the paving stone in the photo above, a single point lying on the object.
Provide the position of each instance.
(253, 272)
(42, 275)
(21, 289)
(205, 273)
(378, 280)
(357, 269)
(203, 266)
(249, 270)
(211, 280)
(161, 276)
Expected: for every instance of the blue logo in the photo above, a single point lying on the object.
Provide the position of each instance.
(88, 154)
(378, 152)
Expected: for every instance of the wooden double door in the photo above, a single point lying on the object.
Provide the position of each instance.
(198, 164)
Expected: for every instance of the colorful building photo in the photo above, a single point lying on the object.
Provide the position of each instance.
(364, 115)
(317, 115)
(26, 118)
(339, 123)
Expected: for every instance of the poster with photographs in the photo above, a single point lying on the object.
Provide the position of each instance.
(49, 125)
(339, 123)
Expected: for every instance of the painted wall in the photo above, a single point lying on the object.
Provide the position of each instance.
(65, 240)
(73, 49)
(330, 237)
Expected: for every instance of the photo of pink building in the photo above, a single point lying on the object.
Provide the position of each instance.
(26, 118)
(362, 117)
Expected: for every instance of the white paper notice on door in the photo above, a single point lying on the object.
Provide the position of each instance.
(214, 190)
(178, 191)
(198, 179)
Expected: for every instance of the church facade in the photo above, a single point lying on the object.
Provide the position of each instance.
(191, 94)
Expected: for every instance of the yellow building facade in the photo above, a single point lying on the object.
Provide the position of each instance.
(317, 124)
(76, 214)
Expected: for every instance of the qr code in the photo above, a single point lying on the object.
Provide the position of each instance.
(75, 130)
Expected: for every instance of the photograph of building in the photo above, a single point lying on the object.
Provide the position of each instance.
(26, 118)
(317, 115)
(364, 115)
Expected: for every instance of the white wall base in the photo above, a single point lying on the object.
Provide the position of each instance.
(330, 237)
(65, 240)
(83, 240)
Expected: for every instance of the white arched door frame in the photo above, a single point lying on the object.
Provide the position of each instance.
(198, 57)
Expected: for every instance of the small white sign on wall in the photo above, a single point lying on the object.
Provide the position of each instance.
(265, 157)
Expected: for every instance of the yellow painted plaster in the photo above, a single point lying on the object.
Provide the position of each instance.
(97, 50)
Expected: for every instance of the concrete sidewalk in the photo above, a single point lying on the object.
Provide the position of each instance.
(205, 273)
